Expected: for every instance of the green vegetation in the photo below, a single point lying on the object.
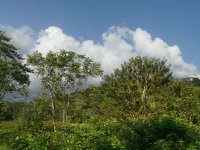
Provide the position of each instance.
(140, 106)
(13, 75)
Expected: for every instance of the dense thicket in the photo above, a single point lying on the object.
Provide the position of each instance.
(139, 106)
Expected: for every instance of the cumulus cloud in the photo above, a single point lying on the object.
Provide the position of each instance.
(118, 45)
(54, 39)
(21, 37)
(112, 52)
(147, 46)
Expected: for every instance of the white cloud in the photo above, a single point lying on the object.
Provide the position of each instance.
(118, 45)
(111, 53)
(54, 39)
(147, 46)
(21, 37)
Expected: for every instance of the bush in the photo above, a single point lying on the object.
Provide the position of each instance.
(161, 134)
(164, 133)
(98, 136)
(72, 136)
(8, 130)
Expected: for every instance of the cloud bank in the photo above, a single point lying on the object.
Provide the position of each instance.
(118, 45)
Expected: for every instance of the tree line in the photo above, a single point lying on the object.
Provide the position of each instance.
(138, 106)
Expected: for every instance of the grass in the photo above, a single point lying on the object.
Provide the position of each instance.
(11, 125)
(7, 129)
(4, 147)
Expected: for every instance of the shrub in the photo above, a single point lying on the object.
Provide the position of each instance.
(156, 133)
(164, 133)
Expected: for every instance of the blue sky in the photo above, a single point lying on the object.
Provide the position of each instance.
(176, 22)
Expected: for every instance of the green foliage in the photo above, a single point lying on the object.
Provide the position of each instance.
(179, 99)
(4, 147)
(37, 109)
(11, 110)
(13, 74)
(32, 135)
(62, 74)
(118, 114)
(133, 84)
(72, 136)
(146, 71)
(89, 136)
(157, 133)
(92, 103)
(164, 133)
(63, 71)
(8, 130)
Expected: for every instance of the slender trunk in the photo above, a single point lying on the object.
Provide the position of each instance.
(53, 114)
(66, 94)
(67, 106)
(63, 114)
(144, 100)
(65, 109)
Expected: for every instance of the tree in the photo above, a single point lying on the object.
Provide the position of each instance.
(63, 73)
(14, 73)
(179, 98)
(92, 103)
(140, 76)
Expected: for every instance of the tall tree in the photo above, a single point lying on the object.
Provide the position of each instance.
(63, 73)
(13, 72)
(139, 76)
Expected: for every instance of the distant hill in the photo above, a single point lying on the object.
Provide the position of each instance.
(193, 80)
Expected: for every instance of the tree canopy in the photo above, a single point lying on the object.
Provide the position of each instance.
(63, 73)
(136, 80)
(14, 73)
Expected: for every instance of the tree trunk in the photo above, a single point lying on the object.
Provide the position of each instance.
(53, 115)
(65, 110)
(64, 114)
(67, 107)
(144, 100)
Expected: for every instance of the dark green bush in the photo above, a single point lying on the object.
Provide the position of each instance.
(164, 133)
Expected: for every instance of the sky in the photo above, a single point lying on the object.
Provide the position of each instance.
(108, 31)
